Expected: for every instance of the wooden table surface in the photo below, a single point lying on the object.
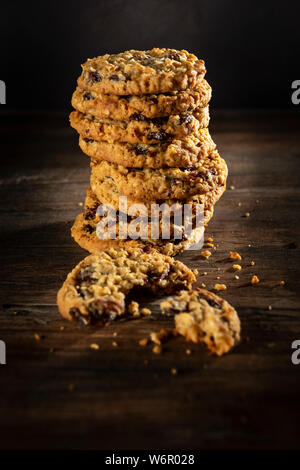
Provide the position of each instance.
(76, 397)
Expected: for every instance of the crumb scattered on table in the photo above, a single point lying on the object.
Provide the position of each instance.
(159, 337)
(157, 349)
(133, 309)
(145, 312)
(205, 253)
(254, 280)
(237, 267)
(235, 255)
(219, 287)
(143, 342)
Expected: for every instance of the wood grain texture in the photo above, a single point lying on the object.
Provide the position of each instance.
(246, 399)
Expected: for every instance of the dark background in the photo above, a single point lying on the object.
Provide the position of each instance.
(251, 48)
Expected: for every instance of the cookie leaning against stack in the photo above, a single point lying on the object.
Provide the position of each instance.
(142, 118)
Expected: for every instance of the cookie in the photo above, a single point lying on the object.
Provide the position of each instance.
(125, 108)
(85, 226)
(107, 192)
(205, 318)
(183, 152)
(85, 235)
(166, 183)
(142, 72)
(137, 130)
(95, 291)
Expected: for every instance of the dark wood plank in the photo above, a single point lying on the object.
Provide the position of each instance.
(247, 399)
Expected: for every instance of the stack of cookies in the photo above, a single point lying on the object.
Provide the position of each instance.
(143, 117)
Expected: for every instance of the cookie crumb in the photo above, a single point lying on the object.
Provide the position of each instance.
(62, 328)
(80, 204)
(174, 371)
(209, 245)
(94, 346)
(157, 349)
(164, 305)
(205, 273)
(205, 253)
(146, 312)
(239, 204)
(254, 280)
(133, 309)
(115, 333)
(252, 263)
(203, 285)
(188, 352)
(247, 214)
(236, 267)
(157, 338)
(15, 313)
(270, 307)
(196, 272)
(234, 255)
(115, 344)
(37, 337)
(236, 277)
(282, 283)
(143, 342)
(219, 287)
(210, 239)
(232, 187)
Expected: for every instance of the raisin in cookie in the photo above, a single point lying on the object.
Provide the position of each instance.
(145, 131)
(205, 317)
(124, 108)
(183, 152)
(166, 183)
(172, 238)
(107, 192)
(95, 291)
(141, 72)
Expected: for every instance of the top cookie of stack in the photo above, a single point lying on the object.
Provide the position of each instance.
(142, 72)
(143, 119)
